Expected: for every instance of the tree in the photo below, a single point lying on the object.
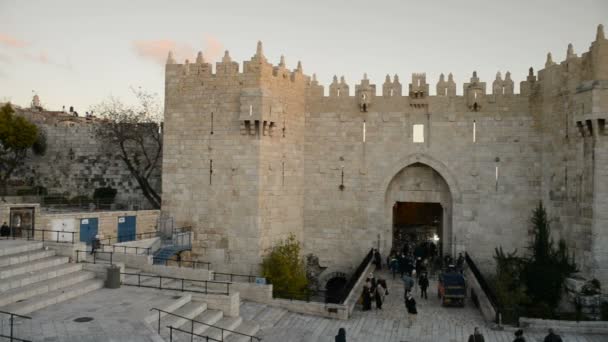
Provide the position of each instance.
(510, 290)
(132, 132)
(547, 268)
(285, 269)
(17, 135)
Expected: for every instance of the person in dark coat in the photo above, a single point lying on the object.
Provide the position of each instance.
(367, 298)
(377, 259)
(402, 264)
(423, 282)
(553, 337)
(477, 336)
(519, 336)
(410, 304)
(5, 230)
(341, 337)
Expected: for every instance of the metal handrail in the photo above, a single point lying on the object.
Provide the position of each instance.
(251, 337)
(192, 334)
(193, 263)
(33, 236)
(11, 337)
(344, 292)
(182, 280)
(94, 256)
(124, 248)
(250, 278)
(483, 284)
(138, 236)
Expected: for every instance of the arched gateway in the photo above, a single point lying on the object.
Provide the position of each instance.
(419, 203)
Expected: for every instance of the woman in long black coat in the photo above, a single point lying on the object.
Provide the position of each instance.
(341, 337)
(367, 296)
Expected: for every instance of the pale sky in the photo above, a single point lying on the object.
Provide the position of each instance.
(81, 52)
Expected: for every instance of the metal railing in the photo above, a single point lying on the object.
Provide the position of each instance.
(483, 284)
(41, 235)
(95, 258)
(11, 336)
(345, 291)
(192, 335)
(124, 249)
(308, 296)
(183, 263)
(186, 285)
(231, 276)
(193, 321)
(131, 237)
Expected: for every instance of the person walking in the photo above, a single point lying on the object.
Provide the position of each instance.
(477, 336)
(367, 299)
(341, 337)
(379, 295)
(519, 336)
(410, 305)
(408, 283)
(423, 282)
(394, 265)
(402, 264)
(377, 259)
(552, 337)
(95, 244)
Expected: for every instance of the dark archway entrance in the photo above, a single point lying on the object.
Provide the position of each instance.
(417, 224)
(334, 288)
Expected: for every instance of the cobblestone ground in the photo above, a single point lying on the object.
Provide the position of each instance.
(434, 322)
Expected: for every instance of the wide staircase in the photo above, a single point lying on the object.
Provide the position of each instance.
(167, 252)
(190, 315)
(32, 278)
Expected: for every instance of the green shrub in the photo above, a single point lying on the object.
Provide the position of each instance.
(284, 268)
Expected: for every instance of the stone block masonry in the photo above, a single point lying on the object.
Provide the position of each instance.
(253, 156)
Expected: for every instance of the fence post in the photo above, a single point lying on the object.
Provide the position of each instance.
(159, 322)
(11, 319)
(94, 257)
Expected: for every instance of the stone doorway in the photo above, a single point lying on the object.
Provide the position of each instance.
(417, 224)
(419, 202)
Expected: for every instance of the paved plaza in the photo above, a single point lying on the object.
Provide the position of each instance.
(118, 315)
(434, 322)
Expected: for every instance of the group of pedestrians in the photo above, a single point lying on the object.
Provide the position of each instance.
(519, 336)
(374, 290)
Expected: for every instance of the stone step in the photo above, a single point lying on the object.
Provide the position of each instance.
(8, 247)
(246, 327)
(31, 266)
(189, 310)
(229, 323)
(179, 301)
(37, 276)
(19, 258)
(19, 294)
(43, 300)
(210, 317)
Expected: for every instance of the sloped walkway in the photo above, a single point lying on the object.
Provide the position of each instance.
(434, 322)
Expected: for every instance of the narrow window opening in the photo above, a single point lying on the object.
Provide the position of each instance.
(419, 83)
(210, 171)
(364, 131)
(418, 133)
(475, 95)
(250, 110)
(211, 123)
(283, 173)
(338, 92)
(391, 92)
(496, 175)
(474, 131)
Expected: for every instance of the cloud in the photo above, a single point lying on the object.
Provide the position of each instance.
(12, 42)
(213, 48)
(157, 50)
(43, 58)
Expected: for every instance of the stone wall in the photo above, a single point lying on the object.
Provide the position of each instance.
(76, 162)
(258, 154)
